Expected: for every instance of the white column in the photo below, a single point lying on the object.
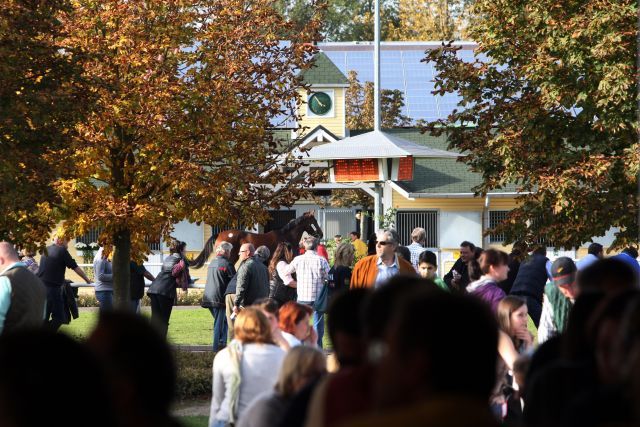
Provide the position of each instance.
(377, 202)
(387, 196)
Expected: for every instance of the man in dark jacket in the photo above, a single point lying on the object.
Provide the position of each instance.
(53, 265)
(22, 294)
(458, 277)
(253, 279)
(529, 284)
(219, 275)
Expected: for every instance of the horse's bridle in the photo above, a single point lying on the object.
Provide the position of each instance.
(315, 229)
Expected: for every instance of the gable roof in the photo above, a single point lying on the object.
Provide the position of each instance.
(309, 139)
(375, 144)
(438, 175)
(324, 72)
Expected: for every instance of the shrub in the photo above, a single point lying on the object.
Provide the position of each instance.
(191, 298)
(85, 300)
(194, 374)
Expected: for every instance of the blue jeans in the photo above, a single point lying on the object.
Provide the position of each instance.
(219, 328)
(105, 298)
(318, 321)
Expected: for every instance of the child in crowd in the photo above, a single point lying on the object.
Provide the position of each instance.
(428, 269)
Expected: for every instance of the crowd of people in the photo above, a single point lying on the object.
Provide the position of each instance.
(501, 339)
(413, 349)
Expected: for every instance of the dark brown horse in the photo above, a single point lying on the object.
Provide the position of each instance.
(291, 232)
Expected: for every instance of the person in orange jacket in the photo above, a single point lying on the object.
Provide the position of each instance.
(374, 270)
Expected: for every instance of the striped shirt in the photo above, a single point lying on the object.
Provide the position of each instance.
(311, 270)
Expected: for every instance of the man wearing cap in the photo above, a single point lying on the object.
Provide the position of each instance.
(559, 296)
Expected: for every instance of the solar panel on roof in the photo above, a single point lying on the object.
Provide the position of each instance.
(400, 68)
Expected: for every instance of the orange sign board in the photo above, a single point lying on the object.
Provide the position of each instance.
(347, 170)
(405, 169)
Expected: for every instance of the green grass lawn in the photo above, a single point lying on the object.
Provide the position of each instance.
(186, 327)
(194, 421)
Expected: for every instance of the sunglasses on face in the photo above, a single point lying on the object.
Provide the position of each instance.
(384, 243)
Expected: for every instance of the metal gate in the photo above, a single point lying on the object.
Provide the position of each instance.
(337, 221)
(406, 221)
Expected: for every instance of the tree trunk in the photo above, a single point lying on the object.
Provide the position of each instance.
(121, 270)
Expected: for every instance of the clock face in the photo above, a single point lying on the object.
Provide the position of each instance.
(320, 103)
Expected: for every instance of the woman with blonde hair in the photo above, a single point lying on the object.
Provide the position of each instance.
(247, 367)
(301, 366)
(340, 273)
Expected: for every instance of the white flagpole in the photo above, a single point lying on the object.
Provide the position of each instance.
(376, 67)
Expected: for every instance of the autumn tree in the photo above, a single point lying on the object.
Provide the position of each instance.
(41, 96)
(553, 106)
(359, 105)
(185, 95)
(344, 20)
(422, 20)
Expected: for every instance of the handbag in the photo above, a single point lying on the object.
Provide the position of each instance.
(322, 300)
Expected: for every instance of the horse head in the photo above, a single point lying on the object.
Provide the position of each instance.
(311, 226)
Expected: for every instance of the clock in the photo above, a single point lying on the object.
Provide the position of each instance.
(320, 103)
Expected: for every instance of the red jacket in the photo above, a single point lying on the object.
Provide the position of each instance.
(320, 250)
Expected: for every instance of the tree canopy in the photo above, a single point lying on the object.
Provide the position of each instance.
(41, 98)
(423, 20)
(344, 20)
(359, 106)
(550, 106)
(183, 96)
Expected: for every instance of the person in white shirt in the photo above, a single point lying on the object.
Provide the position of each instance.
(301, 366)
(247, 367)
(311, 272)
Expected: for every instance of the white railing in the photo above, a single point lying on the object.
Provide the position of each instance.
(149, 266)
